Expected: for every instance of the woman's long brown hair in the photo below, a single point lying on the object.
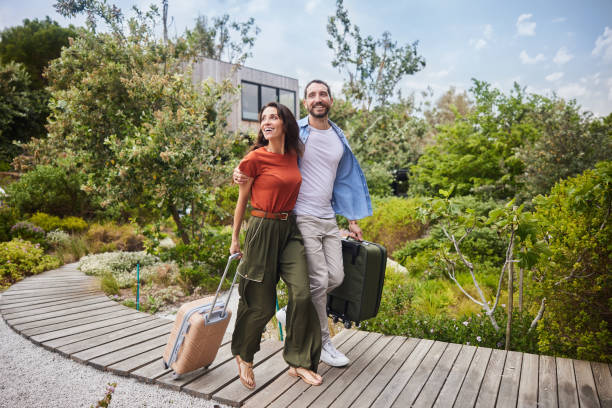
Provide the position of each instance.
(293, 143)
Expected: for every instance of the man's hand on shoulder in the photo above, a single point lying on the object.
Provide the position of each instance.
(355, 231)
(239, 177)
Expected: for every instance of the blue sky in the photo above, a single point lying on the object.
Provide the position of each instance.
(544, 45)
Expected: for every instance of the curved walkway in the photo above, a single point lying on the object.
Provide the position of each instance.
(63, 310)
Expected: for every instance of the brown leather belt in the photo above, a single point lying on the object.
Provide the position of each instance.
(275, 216)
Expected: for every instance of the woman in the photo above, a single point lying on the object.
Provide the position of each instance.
(273, 249)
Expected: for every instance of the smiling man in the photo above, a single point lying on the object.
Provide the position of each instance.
(332, 183)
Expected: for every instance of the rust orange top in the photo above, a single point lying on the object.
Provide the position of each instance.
(277, 179)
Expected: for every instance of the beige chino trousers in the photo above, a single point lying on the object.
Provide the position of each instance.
(324, 258)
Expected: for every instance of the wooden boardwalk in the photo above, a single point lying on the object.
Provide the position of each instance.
(64, 311)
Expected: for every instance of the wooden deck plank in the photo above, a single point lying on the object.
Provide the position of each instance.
(378, 383)
(8, 298)
(587, 393)
(468, 393)
(448, 394)
(59, 301)
(64, 307)
(403, 375)
(363, 379)
(224, 374)
(59, 313)
(279, 386)
(507, 392)
(91, 318)
(566, 383)
(603, 382)
(299, 387)
(150, 372)
(350, 373)
(95, 330)
(29, 293)
(431, 389)
(492, 378)
(124, 367)
(76, 317)
(329, 377)
(416, 383)
(528, 389)
(103, 339)
(129, 352)
(547, 383)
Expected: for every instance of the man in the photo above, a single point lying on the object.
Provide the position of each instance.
(332, 183)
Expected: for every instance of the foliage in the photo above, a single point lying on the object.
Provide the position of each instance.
(28, 231)
(66, 247)
(105, 402)
(109, 284)
(58, 238)
(374, 66)
(51, 222)
(34, 44)
(8, 218)
(575, 277)
(115, 262)
(214, 39)
(379, 179)
(22, 109)
(448, 108)
(112, 237)
(394, 221)
(19, 258)
(49, 189)
(570, 142)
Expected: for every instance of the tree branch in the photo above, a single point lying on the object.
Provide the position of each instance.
(538, 316)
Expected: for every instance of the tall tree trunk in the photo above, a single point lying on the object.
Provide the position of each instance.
(165, 18)
(179, 225)
(510, 293)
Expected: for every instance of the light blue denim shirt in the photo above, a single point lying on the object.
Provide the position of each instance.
(350, 197)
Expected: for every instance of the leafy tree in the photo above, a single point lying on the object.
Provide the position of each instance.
(127, 115)
(22, 109)
(34, 44)
(214, 39)
(450, 106)
(374, 66)
(575, 277)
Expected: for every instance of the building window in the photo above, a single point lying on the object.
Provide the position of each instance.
(254, 96)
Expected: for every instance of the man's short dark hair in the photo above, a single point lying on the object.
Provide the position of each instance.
(317, 81)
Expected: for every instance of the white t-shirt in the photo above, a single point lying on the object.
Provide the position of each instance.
(322, 154)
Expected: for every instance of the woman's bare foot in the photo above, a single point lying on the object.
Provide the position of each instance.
(308, 376)
(245, 372)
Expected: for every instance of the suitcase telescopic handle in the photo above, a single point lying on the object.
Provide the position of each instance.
(229, 262)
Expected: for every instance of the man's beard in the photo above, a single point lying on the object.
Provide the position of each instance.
(319, 115)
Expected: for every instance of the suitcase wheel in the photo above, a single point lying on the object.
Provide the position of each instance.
(335, 319)
(165, 365)
(175, 376)
(347, 324)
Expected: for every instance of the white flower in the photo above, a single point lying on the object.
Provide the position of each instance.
(466, 323)
(479, 338)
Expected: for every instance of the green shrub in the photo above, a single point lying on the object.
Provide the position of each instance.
(51, 190)
(69, 248)
(52, 222)
(196, 277)
(225, 202)
(19, 258)
(109, 284)
(74, 224)
(394, 221)
(379, 179)
(575, 278)
(115, 262)
(28, 231)
(8, 218)
(58, 238)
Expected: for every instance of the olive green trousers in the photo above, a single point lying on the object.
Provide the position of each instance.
(274, 249)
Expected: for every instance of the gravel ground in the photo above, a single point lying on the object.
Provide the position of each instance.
(31, 376)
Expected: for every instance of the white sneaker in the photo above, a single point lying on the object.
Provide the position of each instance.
(331, 356)
(281, 315)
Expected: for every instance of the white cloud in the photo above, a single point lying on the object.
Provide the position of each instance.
(555, 76)
(610, 89)
(594, 79)
(526, 59)
(562, 56)
(560, 20)
(488, 31)
(603, 45)
(255, 6)
(311, 6)
(524, 26)
(478, 43)
(440, 74)
(571, 91)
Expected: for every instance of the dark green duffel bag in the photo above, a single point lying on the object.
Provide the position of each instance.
(358, 298)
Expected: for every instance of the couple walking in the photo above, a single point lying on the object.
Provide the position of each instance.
(298, 175)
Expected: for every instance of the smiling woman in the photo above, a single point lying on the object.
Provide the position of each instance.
(273, 250)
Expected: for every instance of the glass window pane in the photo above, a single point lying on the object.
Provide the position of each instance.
(268, 95)
(287, 98)
(250, 109)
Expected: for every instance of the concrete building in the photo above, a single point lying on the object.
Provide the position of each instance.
(256, 89)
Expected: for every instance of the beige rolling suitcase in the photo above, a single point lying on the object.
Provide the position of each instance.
(198, 331)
